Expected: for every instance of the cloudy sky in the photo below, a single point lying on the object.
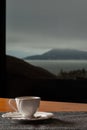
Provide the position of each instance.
(35, 26)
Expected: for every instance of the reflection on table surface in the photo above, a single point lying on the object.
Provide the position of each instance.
(48, 106)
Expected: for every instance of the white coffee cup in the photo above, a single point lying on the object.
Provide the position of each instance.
(26, 105)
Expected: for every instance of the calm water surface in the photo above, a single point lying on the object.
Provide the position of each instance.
(54, 66)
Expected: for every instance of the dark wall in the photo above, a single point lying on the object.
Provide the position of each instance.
(2, 45)
(52, 90)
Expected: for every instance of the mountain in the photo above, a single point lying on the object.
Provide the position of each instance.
(18, 68)
(55, 54)
(24, 79)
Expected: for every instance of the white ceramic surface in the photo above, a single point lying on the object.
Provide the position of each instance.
(26, 105)
(37, 116)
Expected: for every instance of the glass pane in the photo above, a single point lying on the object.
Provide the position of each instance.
(51, 36)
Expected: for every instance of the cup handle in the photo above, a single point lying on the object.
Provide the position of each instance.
(11, 103)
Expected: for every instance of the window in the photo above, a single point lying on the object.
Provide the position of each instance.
(50, 34)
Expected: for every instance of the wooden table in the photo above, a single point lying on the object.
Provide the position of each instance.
(48, 106)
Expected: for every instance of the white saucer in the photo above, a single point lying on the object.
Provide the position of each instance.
(37, 116)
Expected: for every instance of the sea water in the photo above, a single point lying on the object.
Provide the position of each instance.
(55, 66)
